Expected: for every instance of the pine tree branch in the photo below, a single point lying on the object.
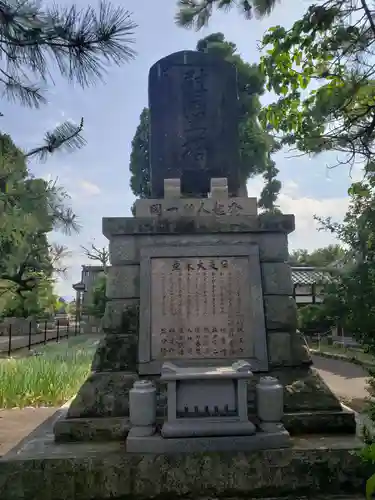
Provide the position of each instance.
(81, 43)
(66, 135)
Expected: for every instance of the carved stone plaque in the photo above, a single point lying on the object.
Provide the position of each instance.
(200, 307)
(193, 104)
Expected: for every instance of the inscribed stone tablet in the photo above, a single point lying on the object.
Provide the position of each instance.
(200, 307)
(193, 104)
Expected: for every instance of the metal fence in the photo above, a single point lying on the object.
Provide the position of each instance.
(320, 341)
(44, 332)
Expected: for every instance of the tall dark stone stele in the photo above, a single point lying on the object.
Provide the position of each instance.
(193, 105)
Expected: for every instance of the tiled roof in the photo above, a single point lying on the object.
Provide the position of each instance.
(310, 275)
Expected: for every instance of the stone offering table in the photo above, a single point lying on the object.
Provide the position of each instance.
(207, 411)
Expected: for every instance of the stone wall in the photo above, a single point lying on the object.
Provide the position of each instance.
(19, 326)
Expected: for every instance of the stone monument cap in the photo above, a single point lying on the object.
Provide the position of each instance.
(238, 370)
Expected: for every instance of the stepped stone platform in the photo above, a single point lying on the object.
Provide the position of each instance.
(41, 469)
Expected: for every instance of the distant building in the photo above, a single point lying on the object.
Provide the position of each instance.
(308, 283)
(89, 275)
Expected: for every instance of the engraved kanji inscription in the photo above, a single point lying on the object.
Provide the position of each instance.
(200, 307)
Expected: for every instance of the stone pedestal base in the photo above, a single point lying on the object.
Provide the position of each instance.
(156, 444)
(101, 407)
(40, 469)
(117, 428)
(205, 427)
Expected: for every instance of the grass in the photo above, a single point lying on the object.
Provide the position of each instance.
(349, 352)
(49, 376)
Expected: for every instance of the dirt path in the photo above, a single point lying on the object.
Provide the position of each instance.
(17, 423)
(347, 380)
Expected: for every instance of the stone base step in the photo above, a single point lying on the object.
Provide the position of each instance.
(318, 497)
(313, 467)
(117, 428)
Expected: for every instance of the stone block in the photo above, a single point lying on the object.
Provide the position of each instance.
(91, 429)
(198, 444)
(123, 282)
(218, 205)
(281, 312)
(122, 249)
(273, 247)
(279, 348)
(219, 189)
(321, 467)
(172, 188)
(277, 278)
(116, 352)
(104, 394)
(117, 226)
(319, 422)
(115, 310)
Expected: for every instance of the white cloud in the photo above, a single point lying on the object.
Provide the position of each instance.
(306, 234)
(89, 188)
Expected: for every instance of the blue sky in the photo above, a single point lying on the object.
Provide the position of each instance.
(97, 177)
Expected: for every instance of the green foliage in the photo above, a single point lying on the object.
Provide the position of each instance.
(255, 145)
(71, 308)
(98, 297)
(80, 43)
(370, 487)
(38, 302)
(321, 70)
(321, 257)
(352, 296)
(197, 13)
(30, 209)
(59, 306)
(49, 379)
(313, 318)
(140, 181)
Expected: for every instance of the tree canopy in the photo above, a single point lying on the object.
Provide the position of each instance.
(255, 145)
(321, 257)
(350, 298)
(197, 13)
(140, 181)
(98, 298)
(323, 73)
(30, 208)
(79, 43)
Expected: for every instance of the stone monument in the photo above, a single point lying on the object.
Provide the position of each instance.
(193, 114)
(198, 282)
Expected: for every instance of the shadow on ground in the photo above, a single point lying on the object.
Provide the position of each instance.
(343, 369)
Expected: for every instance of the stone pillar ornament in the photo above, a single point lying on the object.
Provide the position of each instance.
(269, 402)
(142, 408)
(219, 188)
(172, 188)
